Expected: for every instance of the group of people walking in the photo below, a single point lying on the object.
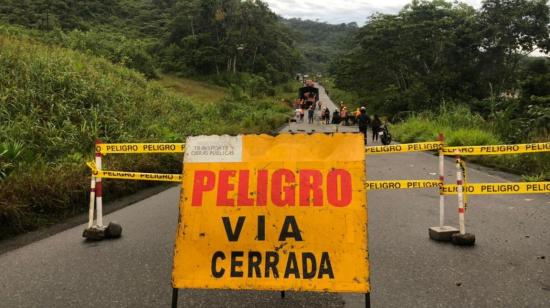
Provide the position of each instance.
(308, 104)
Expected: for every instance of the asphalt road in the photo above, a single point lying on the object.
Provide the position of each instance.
(508, 267)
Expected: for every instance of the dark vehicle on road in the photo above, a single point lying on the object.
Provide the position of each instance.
(385, 136)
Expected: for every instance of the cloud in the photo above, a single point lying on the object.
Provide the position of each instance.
(339, 11)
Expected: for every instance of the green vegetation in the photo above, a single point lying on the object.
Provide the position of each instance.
(320, 43)
(115, 47)
(64, 14)
(350, 98)
(460, 126)
(226, 37)
(73, 71)
(463, 127)
(55, 101)
(443, 61)
(185, 37)
(196, 90)
(437, 52)
(160, 70)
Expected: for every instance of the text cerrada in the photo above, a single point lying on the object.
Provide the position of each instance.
(275, 263)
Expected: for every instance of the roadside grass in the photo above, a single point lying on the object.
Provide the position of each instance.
(195, 90)
(533, 178)
(350, 99)
(54, 103)
(462, 127)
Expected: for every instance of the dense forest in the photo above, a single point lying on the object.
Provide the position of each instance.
(189, 38)
(320, 43)
(445, 66)
(435, 52)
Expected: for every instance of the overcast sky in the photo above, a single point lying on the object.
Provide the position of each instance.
(340, 11)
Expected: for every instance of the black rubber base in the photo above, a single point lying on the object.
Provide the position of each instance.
(466, 239)
(442, 234)
(94, 234)
(114, 230)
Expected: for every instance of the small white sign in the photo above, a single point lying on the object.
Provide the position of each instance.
(214, 149)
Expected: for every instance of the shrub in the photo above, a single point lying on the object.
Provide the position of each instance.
(54, 102)
(462, 127)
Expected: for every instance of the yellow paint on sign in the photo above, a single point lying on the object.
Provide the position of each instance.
(500, 188)
(275, 213)
(119, 148)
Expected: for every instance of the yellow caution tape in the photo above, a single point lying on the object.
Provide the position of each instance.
(405, 147)
(499, 188)
(136, 176)
(498, 149)
(92, 166)
(402, 184)
(111, 148)
(469, 189)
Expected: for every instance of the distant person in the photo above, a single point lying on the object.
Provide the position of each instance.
(310, 100)
(344, 116)
(310, 113)
(326, 113)
(297, 113)
(363, 122)
(376, 124)
(354, 115)
(297, 103)
(336, 117)
(303, 106)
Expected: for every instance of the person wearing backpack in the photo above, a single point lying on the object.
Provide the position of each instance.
(363, 121)
(335, 117)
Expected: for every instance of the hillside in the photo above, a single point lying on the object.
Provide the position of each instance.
(320, 42)
(54, 102)
(187, 38)
(195, 90)
(136, 17)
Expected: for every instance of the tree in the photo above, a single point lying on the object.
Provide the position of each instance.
(231, 36)
(433, 52)
(511, 29)
(415, 59)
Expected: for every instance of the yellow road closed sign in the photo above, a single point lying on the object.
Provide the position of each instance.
(273, 213)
